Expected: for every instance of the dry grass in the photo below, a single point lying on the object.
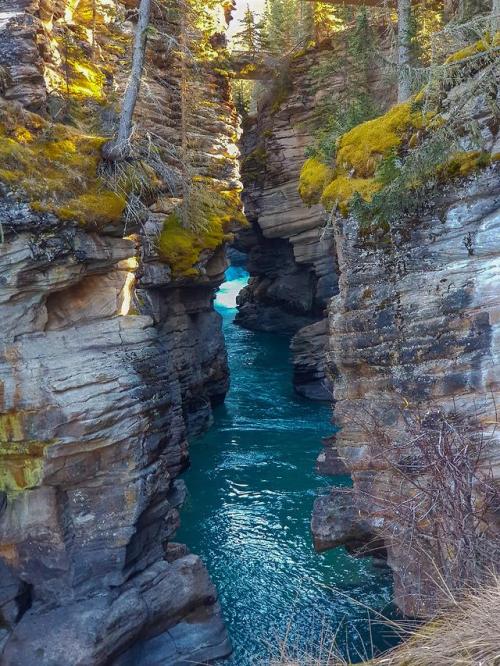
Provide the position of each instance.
(465, 634)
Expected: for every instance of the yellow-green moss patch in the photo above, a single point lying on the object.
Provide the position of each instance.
(481, 46)
(181, 247)
(102, 208)
(55, 168)
(465, 163)
(341, 190)
(314, 177)
(359, 153)
(204, 224)
(362, 148)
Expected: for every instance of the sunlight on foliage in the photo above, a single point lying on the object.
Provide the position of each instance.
(55, 168)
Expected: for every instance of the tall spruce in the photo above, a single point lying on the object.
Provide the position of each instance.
(248, 37)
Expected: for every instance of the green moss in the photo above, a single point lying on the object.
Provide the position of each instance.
(341, 190)
(12, 176)
(314, 177)
(181, 248)
(363, 147)
(248, 70)
(102, 208)
(465, 163)
(210, 217)
(55, 168)
(11, 428)
(481, 46)
(386, 166)
(360, 152)
(79, 77)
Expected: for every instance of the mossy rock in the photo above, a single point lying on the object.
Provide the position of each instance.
(55, 168)
(204, 223)
(486, 43)
(314, 177)
(464, 163)
(362, 148)
(342, 189)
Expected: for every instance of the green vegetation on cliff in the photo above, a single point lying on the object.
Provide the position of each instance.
(55, 168)
(203, 222)
(382, 168)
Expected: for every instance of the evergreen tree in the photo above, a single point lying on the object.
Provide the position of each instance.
(286, 24)
(248, 38)
(327, 19)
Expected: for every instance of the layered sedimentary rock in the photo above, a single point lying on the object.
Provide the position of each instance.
(415, 323)
(21, 71)
(93, 435)
(109, 361)
(292, 262)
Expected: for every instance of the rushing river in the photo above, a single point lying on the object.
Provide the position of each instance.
(252, 485)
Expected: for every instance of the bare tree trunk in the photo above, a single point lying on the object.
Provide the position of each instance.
(404, 19)
(317, 31)
(495, 16)
(448, 10)
(119, 148)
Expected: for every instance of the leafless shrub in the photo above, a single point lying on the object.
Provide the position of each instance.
(463, 633)
(442, 503)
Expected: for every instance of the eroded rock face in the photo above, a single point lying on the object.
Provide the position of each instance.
(109, 361)
(291, 265)
(96, 405)
(414, 323)
(21, 63)
(292, 260)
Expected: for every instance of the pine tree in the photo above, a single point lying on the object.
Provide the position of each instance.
(248, 38)
(327, 18)
(286, 24)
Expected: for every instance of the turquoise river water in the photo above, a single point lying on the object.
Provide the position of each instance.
(251, 485)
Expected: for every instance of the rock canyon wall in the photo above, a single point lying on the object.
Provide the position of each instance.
(111, 356)
(414, 330)
(412, 310)
(292, 261)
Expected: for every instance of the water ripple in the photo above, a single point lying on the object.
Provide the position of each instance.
(252, 485)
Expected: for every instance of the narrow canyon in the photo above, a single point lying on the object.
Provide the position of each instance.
(235, 362)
